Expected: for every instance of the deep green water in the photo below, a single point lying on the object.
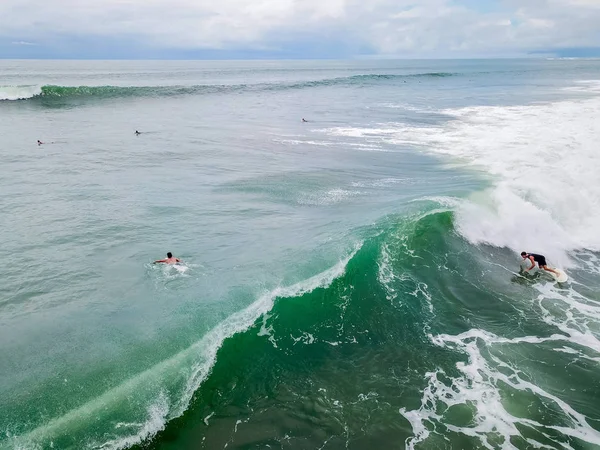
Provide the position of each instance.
(349, 282)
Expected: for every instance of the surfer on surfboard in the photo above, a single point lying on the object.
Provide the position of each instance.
(540, 259)
(170, 259)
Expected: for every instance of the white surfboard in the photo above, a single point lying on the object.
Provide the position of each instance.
(561, 277)
(181, 268)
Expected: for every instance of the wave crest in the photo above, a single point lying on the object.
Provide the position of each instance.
(12, 93)
(47, 92)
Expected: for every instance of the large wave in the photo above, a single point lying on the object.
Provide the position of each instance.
(412, 343)
(26, 92)
(156, 404)
(405, 340)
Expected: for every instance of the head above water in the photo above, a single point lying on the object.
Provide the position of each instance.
(524, 254)
(169, 255)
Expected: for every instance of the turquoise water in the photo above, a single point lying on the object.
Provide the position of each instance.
(348, 282)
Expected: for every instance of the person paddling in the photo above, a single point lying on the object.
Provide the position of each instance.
(170, 259)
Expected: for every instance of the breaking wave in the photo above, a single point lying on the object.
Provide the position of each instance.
(47, 92)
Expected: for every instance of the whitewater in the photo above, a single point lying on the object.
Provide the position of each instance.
(542, 161)
(349, 282)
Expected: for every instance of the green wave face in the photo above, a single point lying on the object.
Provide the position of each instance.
(355, 362)
(64, 93)
(378, 356)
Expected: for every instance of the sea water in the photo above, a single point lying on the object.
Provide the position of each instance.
(348, 282)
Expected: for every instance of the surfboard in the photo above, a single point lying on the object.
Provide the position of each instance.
(561, 277)
(181, 268)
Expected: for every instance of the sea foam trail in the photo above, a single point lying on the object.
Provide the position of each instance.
(160, 409)
(544, 161)
(482, 383)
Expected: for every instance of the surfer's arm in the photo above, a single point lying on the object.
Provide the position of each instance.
(532, 263)
(160, 261)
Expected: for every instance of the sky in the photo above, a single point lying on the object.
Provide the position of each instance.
(244, 29)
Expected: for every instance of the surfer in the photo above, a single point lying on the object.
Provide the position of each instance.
(170, 259)
(304, 120)
(540, 259)
(40, 142)
(137, 133)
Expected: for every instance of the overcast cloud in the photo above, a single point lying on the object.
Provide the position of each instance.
(353, 27)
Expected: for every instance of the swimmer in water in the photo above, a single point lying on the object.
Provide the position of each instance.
(137, 133)
(170, 259)
(304, 120)
(40, 142)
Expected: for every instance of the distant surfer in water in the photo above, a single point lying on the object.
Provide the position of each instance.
(170, 259)
(540, 259)
(40, 142)
(304, 120)
(137, 133)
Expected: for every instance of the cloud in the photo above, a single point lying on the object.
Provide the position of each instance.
(22, 43)
(387, 27)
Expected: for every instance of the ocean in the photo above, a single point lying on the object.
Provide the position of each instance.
(348, 282)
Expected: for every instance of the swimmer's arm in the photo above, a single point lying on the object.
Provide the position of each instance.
(160, 261)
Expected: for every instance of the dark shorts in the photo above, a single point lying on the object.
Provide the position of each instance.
(541, 261)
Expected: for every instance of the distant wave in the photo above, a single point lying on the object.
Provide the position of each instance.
(66, 92)
(49, 92)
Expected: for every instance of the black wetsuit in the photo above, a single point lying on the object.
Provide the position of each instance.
(540, 259)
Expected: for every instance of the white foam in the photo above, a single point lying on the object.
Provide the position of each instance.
(585, 86)
(305, 338)
(404, 106)
(181, 268)
(207, 418)
(330, 197)
(383, 182)
(354, 145)
(19, 92)
(304, 142)
(543, 160)
(572, 314)
(157, 415)
(479, 386)
(386, 274)
(360, 132)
